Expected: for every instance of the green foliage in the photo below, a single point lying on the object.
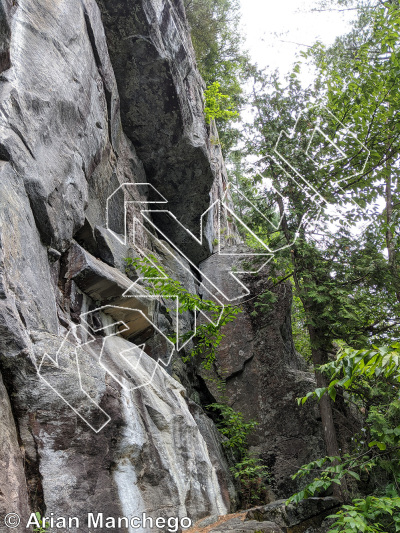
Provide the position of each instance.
(252, 207)
(253, 478)
(361, 71)
(333, 470)
(234, 428)
(368, 379)
(43, 527)
(343, 280)
(361, 372)
(374, 515)
(218, 42)
(345, 268)
(300, 335)
(218, 106)
(208, 335)
(265, 301)
(346, 285)
(247, 469)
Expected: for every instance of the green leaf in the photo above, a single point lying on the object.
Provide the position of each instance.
(380, 445)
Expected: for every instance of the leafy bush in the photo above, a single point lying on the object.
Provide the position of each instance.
(364, 514)
(234, 428)
(369, 380)
(207, 336)
(218, 106)
(247, 469)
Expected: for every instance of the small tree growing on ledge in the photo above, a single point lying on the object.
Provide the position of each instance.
(208, 336)
(218, 106)
(247, 469)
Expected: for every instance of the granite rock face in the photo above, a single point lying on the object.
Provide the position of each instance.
(264, 375)
(162, 109)
(89, 421)
(13, 489)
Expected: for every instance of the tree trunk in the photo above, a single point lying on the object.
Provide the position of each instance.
(319, 357)
(390, 241)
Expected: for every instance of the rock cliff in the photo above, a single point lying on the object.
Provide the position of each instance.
(101, 117)
(64, 151)
(264, 376)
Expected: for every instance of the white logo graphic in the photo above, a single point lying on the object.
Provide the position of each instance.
(129, 368)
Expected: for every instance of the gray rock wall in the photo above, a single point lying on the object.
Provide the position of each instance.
(13, 489)
(102, 428)
(161, 102)
(264, 376)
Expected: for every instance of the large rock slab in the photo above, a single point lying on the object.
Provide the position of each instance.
(149, 457)
(110, 289)
(63, 153)
(264, 375)
(161, 94)
(307, 513)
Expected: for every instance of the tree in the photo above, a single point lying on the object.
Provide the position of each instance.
(361, 73)
(336, 145)
(369, 380)
(217, 41)
(218, 44)
(325, 192)
(340, 272)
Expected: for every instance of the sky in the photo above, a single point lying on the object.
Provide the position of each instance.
(276, 30)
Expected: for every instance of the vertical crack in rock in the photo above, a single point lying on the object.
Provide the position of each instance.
(107, 92)
(5, 35)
